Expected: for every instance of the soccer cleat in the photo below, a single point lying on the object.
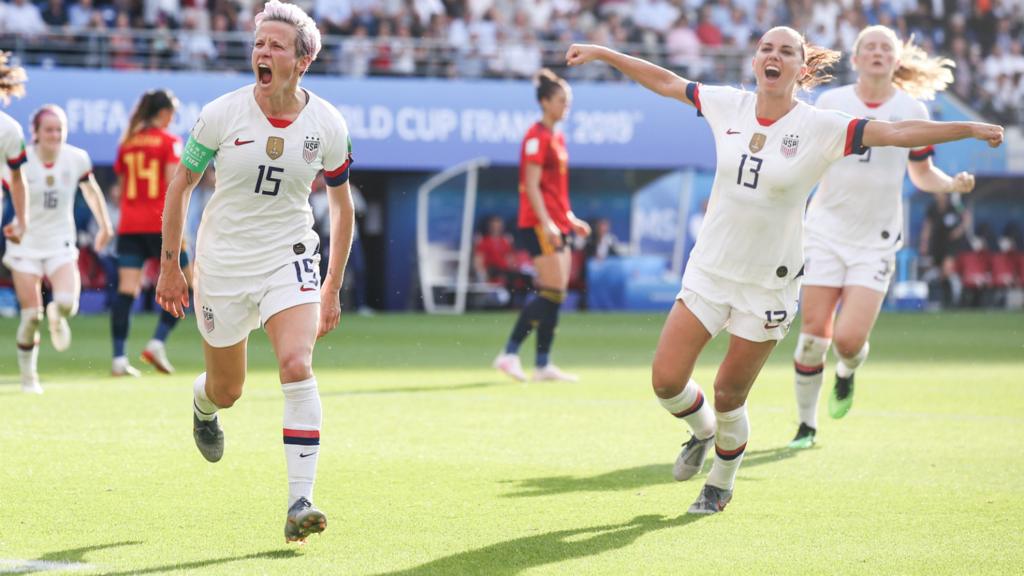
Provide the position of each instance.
(552, 373)
(804, 437)
(60, 331)
(841, 399)
(121, 367)
(302, 521)
(691, 459)
(712, 500)
(30, 385)
(155, 354)
(209, 438)
(510, 365)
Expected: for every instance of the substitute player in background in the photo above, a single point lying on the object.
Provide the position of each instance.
(854, 224)
(743, 272)
(54, 171)
(545, 221)
(257, 256)
(146, 159)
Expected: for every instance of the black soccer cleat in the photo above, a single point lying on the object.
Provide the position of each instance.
(209, 438)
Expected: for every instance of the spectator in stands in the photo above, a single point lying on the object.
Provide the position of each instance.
(80, 15)
(707, 31)
(603, 243)
(196, 49)
(55, 14)
(683, 47)
(356, 52)
(122, 44)
(22, 18)
(334, 16)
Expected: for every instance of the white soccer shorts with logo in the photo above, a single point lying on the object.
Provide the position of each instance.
(834, 264)
(229, 307)
(749, 311)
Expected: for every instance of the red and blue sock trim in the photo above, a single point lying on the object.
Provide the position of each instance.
(730, 454)
(302, 437)
(697, 404)
(805, 370)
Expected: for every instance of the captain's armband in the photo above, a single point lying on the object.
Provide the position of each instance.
(196, 157)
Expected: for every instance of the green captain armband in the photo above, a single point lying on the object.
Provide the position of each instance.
(196, 157)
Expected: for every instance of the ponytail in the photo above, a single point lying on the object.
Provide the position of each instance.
(818, 61)
(921, 75)
(149, 105)
(547, 83)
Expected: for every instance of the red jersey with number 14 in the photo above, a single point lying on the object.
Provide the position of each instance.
(546, 148)
(142, 165)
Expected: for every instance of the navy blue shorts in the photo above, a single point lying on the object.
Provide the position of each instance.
(134, 249)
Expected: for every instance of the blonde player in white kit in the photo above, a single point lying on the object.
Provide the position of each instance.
(854, 224)
(743, 273)
(257, 257)
(12, 148)
(54, 171)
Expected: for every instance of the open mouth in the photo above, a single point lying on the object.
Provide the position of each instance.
(772, 71)
(264, 75)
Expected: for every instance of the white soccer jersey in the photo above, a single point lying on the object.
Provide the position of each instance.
(753, 230)
(51, 201)
(859, 201)
(12, 142)
(259, 211)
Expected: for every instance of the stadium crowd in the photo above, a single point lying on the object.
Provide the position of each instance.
(514, 38)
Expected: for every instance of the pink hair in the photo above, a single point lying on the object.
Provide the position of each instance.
(307, 35)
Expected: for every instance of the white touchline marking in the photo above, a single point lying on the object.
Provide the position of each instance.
(8, 566)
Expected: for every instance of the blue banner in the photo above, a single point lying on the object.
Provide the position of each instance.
(406, 124)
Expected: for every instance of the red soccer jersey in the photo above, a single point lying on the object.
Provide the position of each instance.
(541, 146)
(141, 163)
(495, 251)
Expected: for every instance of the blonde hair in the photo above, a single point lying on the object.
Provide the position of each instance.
(918, 74)
(307, 35)
(12, 79)
(818, 61)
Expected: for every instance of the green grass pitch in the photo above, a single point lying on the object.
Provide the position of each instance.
(432, 463)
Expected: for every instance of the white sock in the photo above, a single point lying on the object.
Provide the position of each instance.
(203, 408)
(730, 443)
(809, 367)
(846, 366)
(302, 419)
(689, 405)
(67, 303)
(27, 340)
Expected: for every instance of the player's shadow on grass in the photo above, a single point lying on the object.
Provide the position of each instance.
(634, 478)
(514, 556)
(67, 560)
(419, 389)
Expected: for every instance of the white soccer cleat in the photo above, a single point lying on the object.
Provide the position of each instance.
(155, 354)
(30, 384)
(552, 373)
(510, 364)
(60, 331)
(121, 367)
(691, 458)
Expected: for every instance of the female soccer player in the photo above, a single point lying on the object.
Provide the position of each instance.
(771, 150)
(854, 225)
(146, 159)
(12, 148)
(545, 220)
(54, 170)
(257, 255)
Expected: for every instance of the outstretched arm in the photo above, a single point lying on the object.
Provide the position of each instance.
(920, 133)
(651, 76)
(930, 178)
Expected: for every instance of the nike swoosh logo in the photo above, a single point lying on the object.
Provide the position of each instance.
(240, 142)
(306, 455)
(730, 132)
(306, 289)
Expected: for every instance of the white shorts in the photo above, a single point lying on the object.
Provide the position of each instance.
(45, 265)
(229, 307)
(749, 311)
(833, 264)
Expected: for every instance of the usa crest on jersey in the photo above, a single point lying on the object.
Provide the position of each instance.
(790, 143)
(310, 148)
